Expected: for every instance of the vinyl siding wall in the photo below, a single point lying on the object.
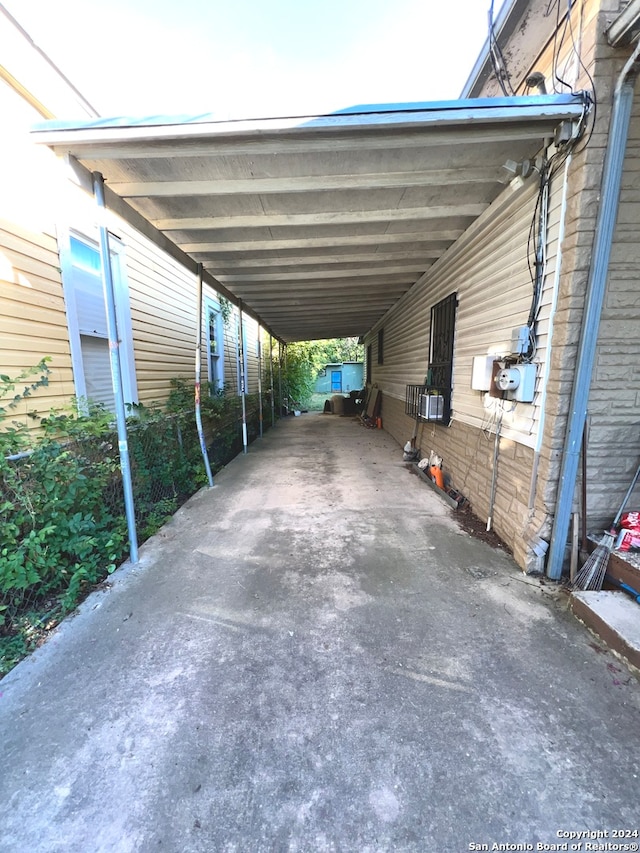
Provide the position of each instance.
(32, 309)
(39, 202)
(33, 321)
(487, 268)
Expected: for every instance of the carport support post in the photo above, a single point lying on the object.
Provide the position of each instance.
(243, 378)
(280, 375)
(198, 389)
(116, 372)
(260, 379)
(273, 399)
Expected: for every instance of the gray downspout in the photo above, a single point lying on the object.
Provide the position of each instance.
(273, 399)
(243, 380)
(596, 286)
(198, 378)
(116, 370)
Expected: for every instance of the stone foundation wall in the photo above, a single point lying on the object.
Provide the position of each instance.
(468, 459)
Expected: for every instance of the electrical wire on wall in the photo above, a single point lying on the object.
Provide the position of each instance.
(549, 167)
(570, 140)
(497, 59)
(564, 31)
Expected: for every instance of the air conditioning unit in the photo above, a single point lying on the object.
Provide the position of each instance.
(431, 407)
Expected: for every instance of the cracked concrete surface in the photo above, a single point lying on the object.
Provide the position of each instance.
(313, 656)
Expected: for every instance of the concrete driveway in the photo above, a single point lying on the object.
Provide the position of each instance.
(313, 656)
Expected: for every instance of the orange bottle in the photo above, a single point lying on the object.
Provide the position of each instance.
(436, 475)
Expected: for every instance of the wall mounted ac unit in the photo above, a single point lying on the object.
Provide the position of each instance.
(431, 407)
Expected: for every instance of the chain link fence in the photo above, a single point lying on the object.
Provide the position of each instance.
(62, 518)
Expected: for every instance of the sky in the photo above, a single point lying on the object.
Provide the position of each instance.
(253, 58)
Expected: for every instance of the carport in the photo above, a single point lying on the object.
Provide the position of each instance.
(316, 657)
(318, 225)
(315, 226)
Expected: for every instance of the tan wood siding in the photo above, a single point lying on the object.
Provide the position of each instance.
(32, 316)
(488, 269)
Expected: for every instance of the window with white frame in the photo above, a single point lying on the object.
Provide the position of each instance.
(215, 345)
(87, 321)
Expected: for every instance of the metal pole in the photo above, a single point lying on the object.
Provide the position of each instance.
(494, 476)
(280, 376)
(260, 380)
(116, 371)
(273, 399)
(243, 382)
(287, 390)
(198, 389)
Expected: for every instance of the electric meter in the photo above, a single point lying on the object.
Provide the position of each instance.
(507, 379)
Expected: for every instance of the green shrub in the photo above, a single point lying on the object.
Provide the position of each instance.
(62, 521)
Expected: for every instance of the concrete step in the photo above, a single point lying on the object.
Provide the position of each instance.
(615, 617)
(625, 567)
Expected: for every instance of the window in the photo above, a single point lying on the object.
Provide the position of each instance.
(440, 375)
(87, 321)
(369, 365)
(432, 401)
(215, 345)
(381, 346)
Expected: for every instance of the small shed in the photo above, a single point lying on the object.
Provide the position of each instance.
(340, 378)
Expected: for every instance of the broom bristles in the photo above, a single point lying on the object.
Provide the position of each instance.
(591, 575)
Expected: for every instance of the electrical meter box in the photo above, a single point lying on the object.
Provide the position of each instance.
(481, 372)
(518, 382)
(520, 340)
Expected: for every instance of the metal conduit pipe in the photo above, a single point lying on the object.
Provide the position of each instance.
(554, 303)
(596, 286)
(198, 377)
(116, 369)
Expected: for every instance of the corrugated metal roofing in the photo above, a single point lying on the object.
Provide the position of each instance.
(318, 224)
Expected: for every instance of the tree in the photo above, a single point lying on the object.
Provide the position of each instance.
(305, 359)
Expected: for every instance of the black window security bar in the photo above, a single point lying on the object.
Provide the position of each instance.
(428, 403)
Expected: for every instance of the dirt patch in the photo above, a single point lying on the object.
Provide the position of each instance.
(473, 525)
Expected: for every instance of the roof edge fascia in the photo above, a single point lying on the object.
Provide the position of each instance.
(397, 117)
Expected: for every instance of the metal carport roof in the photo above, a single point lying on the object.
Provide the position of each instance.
(319, 225)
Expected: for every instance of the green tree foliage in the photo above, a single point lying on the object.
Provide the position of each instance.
(305, 359)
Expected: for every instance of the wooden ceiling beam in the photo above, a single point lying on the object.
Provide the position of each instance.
(302, 260)
(322, 274)
(268, 245)
(92, 152)
(307, 183)
(338, 217)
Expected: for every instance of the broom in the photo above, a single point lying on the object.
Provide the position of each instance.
(591, 575)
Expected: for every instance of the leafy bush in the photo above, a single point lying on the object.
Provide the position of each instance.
(62, 522)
